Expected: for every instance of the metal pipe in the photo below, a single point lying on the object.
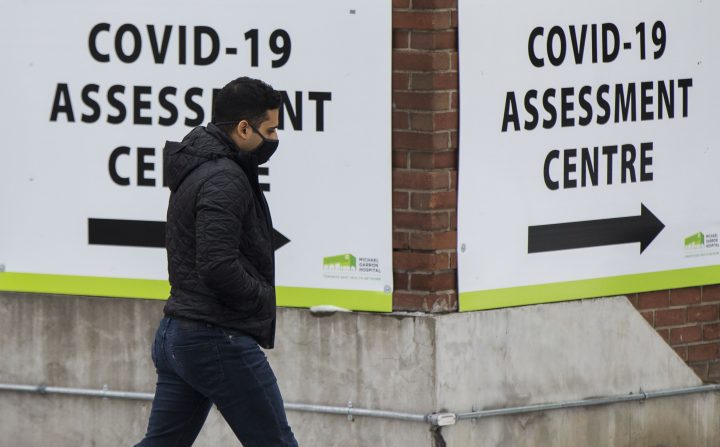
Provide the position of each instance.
(641, 396)
(42, 389)
(350, 411)
(105, 393)
(438, 419)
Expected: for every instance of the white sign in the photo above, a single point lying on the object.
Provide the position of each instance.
(589, 149)
(92, 89)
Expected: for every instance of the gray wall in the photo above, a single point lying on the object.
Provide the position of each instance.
(403, 362)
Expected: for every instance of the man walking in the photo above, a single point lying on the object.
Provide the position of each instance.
(221, 267)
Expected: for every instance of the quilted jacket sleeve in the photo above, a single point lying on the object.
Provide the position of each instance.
(221, 204)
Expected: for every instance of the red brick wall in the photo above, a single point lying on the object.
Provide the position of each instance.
(425, 149)
(425, 141)
(689, 320)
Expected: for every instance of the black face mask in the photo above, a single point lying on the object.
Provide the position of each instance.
(265, 149)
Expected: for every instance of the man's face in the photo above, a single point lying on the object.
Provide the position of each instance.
(247, 139)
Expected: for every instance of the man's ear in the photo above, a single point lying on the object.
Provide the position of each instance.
(241, 129)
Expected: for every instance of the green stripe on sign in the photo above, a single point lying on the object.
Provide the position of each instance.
(348, 299)
(589, 288)
(160, 289)
(84, 285)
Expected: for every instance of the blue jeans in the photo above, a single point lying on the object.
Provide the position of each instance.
(199, 365)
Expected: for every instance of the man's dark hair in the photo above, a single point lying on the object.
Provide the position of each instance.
(244, 99)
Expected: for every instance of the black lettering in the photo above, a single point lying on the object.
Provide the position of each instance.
(558, 59)
(578, 47)
(295, 113)
(646, 101)
(159, 51)
(628, 163)
(610, 55)
(625, 104)
(510, 115)
(684, 84)
(92, 42)
(136, 43)
(195, 107)
(169, 106)
(117, 104)
(594, 44)
(182, 44)
(589, 166)
(551, 184)
(570, 167)
(609, 152)
(94, 106)
(534, 34)
(214, 50)
(667, 99)
(319, 98)
(603, 103)
(586, 106)
(645, 161)
(62, 104)
(283, 49)
(112, 166)
(532, 110)
(139, 105)
(549, 123)
(143, 166)
(567, 106)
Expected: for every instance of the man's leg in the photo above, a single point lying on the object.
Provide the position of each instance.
(250, 401)
(178, 413)
(178, 410)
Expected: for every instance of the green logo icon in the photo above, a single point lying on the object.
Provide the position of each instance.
(340, 262)
(697, 240)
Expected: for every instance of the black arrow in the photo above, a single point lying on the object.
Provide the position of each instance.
(279, 240)
(142, 233)
(126, 233)
(595, 233)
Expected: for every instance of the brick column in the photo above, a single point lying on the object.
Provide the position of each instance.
(425, 142)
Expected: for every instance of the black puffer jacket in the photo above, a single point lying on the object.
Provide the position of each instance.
(219, 236)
